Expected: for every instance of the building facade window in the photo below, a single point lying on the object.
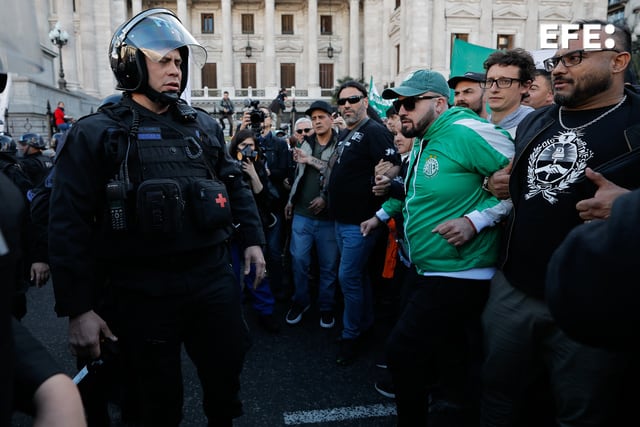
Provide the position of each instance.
(326, 25)
(247, 23)
(206, 23)
(287, 74)
(248, 75)
(326, 76)
(210, 75)
(504, 41)
(459, 36)
(287, 25)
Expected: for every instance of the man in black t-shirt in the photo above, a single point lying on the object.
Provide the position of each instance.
(593, 120)
(351, 201)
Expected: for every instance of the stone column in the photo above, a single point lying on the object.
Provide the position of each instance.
(88, 45)
(227, 48)
(387, 73)
(72, 50)
(136, 7)
(313, 79)
(486, 37)
(438, 37)
(530, 39)
(183, 15)
(354, 38)
(269, 53)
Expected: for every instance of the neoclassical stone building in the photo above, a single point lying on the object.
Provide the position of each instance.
(257, 46)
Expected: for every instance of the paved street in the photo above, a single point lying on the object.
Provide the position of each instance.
(290, 379)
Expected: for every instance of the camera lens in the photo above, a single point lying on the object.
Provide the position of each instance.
(256, 117)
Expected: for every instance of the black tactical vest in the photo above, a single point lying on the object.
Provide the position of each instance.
(163, 198)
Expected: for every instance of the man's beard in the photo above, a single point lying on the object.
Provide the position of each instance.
(421, 127)
(588, 89)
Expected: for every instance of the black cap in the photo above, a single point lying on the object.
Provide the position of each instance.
(469, 75)
(319, 105)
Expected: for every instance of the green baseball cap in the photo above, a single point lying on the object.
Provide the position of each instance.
(417, 83)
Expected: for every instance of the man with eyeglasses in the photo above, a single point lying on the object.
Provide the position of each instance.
(452, 241)
(509, 75)
(363, 144)
(554, 189)
(311, 225)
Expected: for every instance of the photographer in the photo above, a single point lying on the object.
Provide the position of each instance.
(243, 147)
(278, 161)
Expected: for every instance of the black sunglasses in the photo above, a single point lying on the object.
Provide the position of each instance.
(409, 103)
(351, 100)
(305, 130)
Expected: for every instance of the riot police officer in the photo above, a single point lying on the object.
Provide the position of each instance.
(29, 153)
(142, 207)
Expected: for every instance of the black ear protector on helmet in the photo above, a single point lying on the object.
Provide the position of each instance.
(128, 61)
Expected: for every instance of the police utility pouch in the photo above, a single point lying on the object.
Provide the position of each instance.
(160, 206)
(210, 204)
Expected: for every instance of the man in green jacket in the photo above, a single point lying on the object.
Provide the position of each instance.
(452, 243)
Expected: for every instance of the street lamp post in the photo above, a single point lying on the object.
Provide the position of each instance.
(59, 37)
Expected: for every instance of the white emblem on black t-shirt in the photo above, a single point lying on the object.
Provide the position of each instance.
(555, 164)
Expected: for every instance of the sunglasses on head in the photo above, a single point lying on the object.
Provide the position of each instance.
(409, 103)
(351, 99)
(305, 130)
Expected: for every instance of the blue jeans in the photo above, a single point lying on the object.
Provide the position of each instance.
(305, 232)
(355, 250)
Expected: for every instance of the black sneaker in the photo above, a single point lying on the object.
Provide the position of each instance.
(347, 353)
(269, 323)
(327, 320)
(294, 315)
(385, 388)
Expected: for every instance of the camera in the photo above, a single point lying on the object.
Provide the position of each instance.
(256, 115)
(247, 153)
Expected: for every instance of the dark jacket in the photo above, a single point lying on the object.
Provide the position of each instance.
(37, 166)
(12, 216)
(278, 156)
(592, 289)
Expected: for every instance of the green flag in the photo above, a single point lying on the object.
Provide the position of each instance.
(467, 57)
(376, 101)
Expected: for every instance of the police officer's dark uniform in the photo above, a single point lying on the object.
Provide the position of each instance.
(135, 201)
(34, 163)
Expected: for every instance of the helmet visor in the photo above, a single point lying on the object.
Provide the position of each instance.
(158, 34)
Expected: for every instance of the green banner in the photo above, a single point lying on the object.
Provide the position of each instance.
(467, 57)
(376, 101)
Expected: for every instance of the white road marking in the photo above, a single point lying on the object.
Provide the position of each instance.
(339, 414)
